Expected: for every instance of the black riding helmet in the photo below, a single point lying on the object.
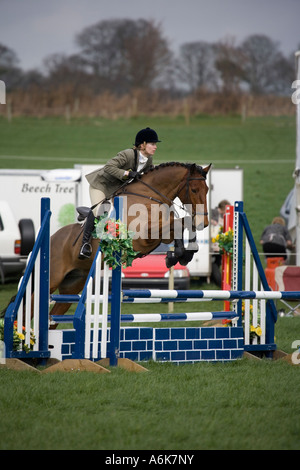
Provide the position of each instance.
(146, 135)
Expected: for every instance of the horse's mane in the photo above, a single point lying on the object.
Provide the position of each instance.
(188, 166)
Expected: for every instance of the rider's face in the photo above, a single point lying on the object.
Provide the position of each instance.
(149, 149)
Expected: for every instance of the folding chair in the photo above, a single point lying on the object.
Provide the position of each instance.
(288, 279)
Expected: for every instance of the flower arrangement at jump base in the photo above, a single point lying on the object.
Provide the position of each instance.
(255, 331)
(114, 238)
(225, 241)
(18, 338)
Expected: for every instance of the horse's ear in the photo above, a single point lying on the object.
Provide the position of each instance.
(207, 168)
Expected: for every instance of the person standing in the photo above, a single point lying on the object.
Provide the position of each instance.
(275, 239)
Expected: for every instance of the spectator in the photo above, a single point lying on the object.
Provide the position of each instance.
(275, 239)
(217, 221)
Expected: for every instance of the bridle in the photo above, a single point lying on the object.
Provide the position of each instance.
(171, 201)
(187, 192)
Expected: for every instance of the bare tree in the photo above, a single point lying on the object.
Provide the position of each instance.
(261, 54)
(124, 54)
(10, 73)
(62, 69)
(284, 73)
(8, 58)
(229, 63)
(195, 65)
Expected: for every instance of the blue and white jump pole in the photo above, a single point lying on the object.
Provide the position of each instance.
(83, 330)
(116, 298)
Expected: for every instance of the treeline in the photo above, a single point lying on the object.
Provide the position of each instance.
(126, 67)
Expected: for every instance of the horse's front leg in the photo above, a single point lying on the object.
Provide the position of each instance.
(181, 254)
(170, 232)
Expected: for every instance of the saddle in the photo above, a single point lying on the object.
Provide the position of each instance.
(82, 213)
(105, 207)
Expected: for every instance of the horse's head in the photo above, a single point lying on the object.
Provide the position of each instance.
(193, 195)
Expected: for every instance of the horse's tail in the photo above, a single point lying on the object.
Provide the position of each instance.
(2, 313)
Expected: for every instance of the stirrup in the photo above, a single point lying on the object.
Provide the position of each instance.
(85, 251)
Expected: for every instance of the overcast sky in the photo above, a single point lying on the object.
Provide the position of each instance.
(35, 29)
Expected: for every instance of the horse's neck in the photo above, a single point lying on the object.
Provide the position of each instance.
(167, 180)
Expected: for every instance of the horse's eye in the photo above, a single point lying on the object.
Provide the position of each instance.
(194, 190)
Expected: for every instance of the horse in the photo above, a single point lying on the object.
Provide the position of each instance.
(159, 186)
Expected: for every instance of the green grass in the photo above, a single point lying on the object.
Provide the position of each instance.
(263, 147)
(241, 405)
(247, 404)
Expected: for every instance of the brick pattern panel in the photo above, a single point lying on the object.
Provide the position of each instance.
(179, 345)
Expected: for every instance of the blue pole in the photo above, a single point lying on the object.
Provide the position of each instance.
(44, 280)
(115, 300)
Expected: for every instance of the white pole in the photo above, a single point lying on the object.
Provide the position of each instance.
(297, 169)
(97, 305)
(88, 315)
(105, 310)
(247, 287)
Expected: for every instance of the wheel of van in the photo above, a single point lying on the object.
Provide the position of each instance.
(27, 232)
(216, 274)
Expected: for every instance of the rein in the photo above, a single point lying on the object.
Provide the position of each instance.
(189, 178)
(151, 198)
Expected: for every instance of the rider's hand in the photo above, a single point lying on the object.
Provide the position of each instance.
(132, 174)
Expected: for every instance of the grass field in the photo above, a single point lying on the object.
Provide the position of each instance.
(263, 147)
(241, 405)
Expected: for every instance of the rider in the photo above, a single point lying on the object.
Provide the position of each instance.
(105, 181)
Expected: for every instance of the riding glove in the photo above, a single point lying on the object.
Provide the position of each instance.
(132, 174)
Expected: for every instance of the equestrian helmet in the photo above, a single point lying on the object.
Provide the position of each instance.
(146, 135)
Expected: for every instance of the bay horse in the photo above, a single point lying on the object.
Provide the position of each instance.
(159, 185)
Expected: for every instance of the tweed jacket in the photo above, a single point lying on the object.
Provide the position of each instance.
(110, 177)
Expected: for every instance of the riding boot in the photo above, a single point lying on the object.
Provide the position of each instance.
(86, 247)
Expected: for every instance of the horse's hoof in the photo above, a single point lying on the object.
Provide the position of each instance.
(170, 263)
(186, 258)
(170, 259)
